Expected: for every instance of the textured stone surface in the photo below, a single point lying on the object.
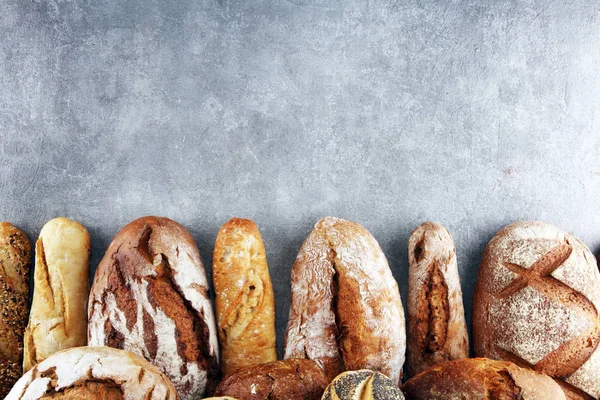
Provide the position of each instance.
(388, 113)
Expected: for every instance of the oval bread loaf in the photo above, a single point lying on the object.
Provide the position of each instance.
(15, 260)
(345, 309)
(480, 378)
(61, 285)
(536, 304)
(243, 297)
(150, 296)
(294, 379)
(437, 330)
(94, 373)
(362, 385)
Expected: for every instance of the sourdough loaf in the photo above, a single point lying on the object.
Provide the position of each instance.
(150, 296)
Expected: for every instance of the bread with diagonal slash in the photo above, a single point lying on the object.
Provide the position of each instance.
(536, 304)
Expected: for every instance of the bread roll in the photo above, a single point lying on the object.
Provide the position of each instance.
(150, 296)
(536, 304)
(480, 378)
(279, 380)
(94, 373)
(437, 330)
(362, 385)
(345, 311)
(243, 297)
(58, 318)
(15, 259)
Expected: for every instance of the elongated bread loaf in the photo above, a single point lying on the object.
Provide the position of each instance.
(243, 297)
(346, 312)
(58, 318)
(15, 260)
(150, 296)
(437, 330)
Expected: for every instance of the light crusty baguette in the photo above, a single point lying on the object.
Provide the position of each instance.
(294, 379)
(58, 318)
(94, 373)
(536, 304)
(362, 385)
(15, 260)
(243, 297)
(437, 330)
(150, 296)
(345, 311)
(481, 379)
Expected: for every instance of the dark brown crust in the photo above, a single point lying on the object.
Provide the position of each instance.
(15, 261)
(107, 390)
(432, 324)
(292, 379)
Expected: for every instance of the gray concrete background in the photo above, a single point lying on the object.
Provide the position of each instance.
(388, 113)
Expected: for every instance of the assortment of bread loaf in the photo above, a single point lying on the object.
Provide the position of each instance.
(148, 329)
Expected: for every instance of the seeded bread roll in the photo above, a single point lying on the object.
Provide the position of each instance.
(481, 379)
(437, 330)
(362, 385)
(345, 311)
(15, 259)
(94, 373)
(150, 296)
(536, 304)
(243, 297)
(279, 380)
(58, 318)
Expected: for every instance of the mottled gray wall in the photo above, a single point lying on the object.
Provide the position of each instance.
(389, 113)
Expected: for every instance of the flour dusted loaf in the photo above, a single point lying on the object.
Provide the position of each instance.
(345, 309)
(150, 296)
(536, 304)
(243, 297)
(362, 385)
(293, 379)
(481, 379)
(437, 330)
(15, 260)
(94, 373)
(58, 317)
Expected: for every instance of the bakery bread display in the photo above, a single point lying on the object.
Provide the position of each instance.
(345, 309)
(58, 317)
(243, 297)
(293, 379)
(437, 330)
(15, 260)
(480, 378)
(362, 385)
(150, 296)
(536, 304)
(94, 373)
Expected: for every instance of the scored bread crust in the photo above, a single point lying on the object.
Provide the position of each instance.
(345, 312)
(363, 384)
(437, 330)
(243, 297)
(481, 378)
(58, 317)
(15, 261)
(150, 296)
(536, 304)
(94, 373)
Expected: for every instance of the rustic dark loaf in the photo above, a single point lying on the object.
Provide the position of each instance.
(150, 296)
(15, 260)
(536, 304)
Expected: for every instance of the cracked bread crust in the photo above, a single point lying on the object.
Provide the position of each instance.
(345, 312)
(437, 330)
(481, 378)
(58, 317)
(243, 297)
(150, 296)
(15, 261)
(293, 379)
(94, 373)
